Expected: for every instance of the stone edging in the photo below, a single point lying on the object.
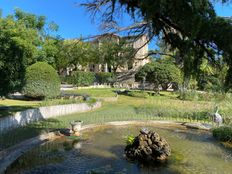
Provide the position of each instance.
(123, 123)
(30, 115)
(8, 156)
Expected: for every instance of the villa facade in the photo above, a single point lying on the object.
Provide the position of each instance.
(139, 43)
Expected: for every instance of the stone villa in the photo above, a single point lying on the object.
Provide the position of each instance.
(139, 43)
(128, 71)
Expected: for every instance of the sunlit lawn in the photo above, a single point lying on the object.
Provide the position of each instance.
(9, 107)
(98, 92)
(164, 107)
(12, 106)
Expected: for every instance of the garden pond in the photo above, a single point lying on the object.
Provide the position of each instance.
(102, 151)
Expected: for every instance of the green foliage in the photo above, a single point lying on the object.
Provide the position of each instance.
(164, 107)
(95, 92)
(159, 74)
(18, 50)
(77, 54)
(189, 95)
(74, 53)
(206, 35)
(223, 133)
(49, 51)
(116, 54)
(23, 42)
(140, 94)
(210, 83)
(193, 95)
(105, 77)
(41, 81)
(53, 102)
(81, 78)
(212, 78)
(30, 20)
(130, 140)
(163, 112)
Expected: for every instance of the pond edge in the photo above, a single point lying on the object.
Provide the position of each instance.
(9, 155)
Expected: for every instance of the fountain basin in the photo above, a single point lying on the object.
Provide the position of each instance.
(193, 151)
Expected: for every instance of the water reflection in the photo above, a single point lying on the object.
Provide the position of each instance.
(193, 151)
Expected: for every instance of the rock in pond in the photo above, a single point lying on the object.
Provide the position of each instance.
(148, 148)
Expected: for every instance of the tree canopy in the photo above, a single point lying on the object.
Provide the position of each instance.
(77, 52)
(191, 27)
(22, 42)
(159, 73)
(18, 48)
(115, 54)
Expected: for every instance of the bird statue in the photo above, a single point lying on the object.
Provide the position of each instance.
(217, 118)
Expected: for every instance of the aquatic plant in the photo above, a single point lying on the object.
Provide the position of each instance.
(223, 133)
(130, 139)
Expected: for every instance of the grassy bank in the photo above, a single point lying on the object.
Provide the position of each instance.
(164, 107)
(95, 92)
(9, 107)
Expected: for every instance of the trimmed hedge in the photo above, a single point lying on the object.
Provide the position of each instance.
(81, 78)
(41, 81)
(105, 77)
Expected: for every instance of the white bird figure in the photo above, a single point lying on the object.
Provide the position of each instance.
(217, 118)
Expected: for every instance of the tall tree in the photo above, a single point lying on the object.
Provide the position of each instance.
(74, 53)
(20, 44)
(116, 54)
(190, 26)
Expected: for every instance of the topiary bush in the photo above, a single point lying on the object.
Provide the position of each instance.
(105, 77)
(81, 78)
(41, 81)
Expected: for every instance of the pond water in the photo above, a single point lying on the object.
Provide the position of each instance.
(193, 151)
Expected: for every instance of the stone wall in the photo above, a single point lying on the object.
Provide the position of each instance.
(25, 117)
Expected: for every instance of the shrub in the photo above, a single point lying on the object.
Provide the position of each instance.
(202, 96)
(210, 83)
(159, 74)
(63, 79)
(130, 140)
(188, 95)
(41, 81)
(81, 78)
(105, 77)
(223, 133)
(172, 113)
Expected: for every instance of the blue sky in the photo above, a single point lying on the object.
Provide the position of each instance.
(73, 21)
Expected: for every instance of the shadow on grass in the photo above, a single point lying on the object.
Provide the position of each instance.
(10, 110)
(20, 134)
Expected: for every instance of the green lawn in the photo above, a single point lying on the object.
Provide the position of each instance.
(164, 107)
(97, 92)
(14, 106)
